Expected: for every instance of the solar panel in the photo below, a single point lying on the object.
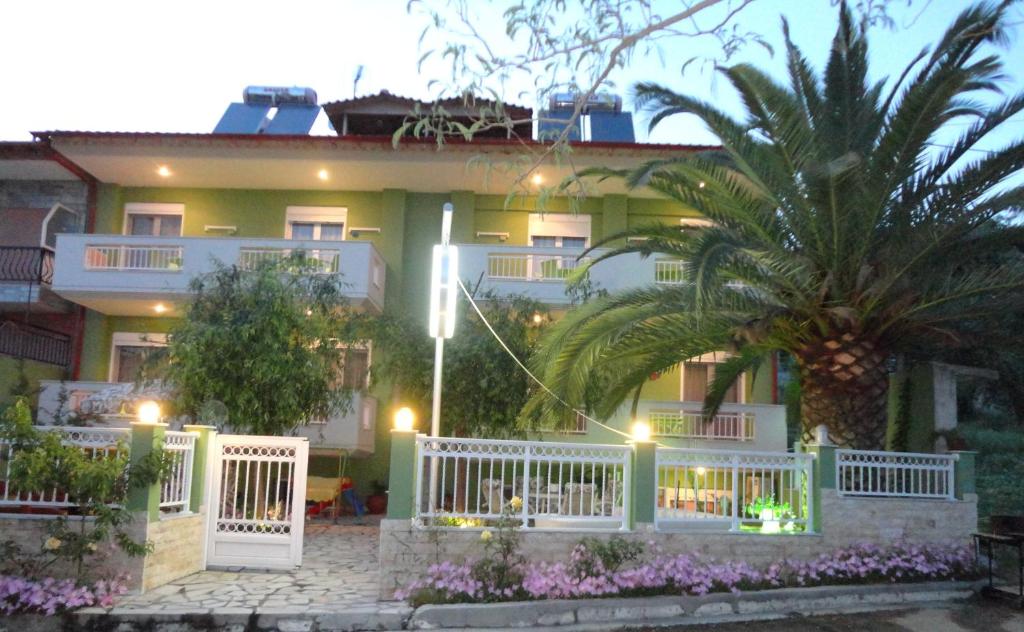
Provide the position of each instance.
(293, 119)
(241, 118)
(549, 130)
(613, 127)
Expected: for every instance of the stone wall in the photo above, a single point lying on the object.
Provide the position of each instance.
(178, 547)
(405, 550)
(44, 194)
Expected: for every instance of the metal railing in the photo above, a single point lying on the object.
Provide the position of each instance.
(32, 343)
(324, 260)
(669, 272)
(26, 264)
(561, 485)
(96, 443)
(895, 474)
(532, 267)
(692, 424)
(176, 485)
(125, 257)
(764, 492)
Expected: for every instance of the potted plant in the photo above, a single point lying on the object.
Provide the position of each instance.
(377, 502)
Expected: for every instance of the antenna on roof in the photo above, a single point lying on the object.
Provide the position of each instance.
(355, 80)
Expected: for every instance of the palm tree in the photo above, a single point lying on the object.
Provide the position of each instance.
(843, 233)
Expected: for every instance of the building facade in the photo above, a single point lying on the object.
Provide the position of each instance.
(168, 205)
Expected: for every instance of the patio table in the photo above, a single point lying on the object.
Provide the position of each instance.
(1011, 539)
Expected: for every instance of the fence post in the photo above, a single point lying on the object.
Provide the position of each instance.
(823, 476)
(402, 477)
(644, 479)
(200, 462)
(964, 470)
(146, 439)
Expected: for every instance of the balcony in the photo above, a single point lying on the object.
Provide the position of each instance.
(25, 277)
(352, 432)
(746, 426)
(126, 274)
(32, 343)
(541, 273)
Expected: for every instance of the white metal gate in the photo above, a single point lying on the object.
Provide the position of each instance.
(259, 487)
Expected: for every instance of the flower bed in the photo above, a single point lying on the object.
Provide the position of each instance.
(49, 596)
(596, 570)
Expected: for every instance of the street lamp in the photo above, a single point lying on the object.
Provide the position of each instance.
(444, 288)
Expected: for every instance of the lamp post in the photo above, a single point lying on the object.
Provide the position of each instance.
(444, 288)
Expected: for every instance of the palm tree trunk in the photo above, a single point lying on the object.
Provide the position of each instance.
(844, 386)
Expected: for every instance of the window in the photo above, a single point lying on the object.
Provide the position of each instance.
(559, 230)
(697, 377)
(316, 223)
(153, 220)
(355, 372)
(129, 352)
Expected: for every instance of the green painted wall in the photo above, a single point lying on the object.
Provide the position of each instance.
(10, 375)
(99, 332)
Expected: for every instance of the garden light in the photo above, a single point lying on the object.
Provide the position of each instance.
(641, 431)
(405, 420)
(149, 412)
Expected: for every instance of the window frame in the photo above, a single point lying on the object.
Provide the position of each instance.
(152, 208)
(559, 226)
(130, 339)
(714, 358)
(317, 216)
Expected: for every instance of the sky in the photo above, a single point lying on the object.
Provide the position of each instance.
(174, 67)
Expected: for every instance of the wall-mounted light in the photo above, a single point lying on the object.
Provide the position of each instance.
(159, 308)
(163, 171)
(323, 174)
(537, 179)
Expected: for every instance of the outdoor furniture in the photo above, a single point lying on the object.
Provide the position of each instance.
(1006, 531)
(577, 500)
(493, 494)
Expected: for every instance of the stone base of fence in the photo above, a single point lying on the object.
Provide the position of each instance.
(405, 549)
(177, 548)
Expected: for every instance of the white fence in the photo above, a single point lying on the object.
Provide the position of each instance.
(96, 443)
(765, 492)
(123, 257)
(895, 474)
(532, 267)
(176, 485)
(691, 424)
(561, 485)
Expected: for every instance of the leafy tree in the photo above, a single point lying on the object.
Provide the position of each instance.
(265, 342)
(483, 389)
(842, 233)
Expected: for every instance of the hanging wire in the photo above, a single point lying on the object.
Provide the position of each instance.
(530, 373)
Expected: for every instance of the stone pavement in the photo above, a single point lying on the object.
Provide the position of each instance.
(338, 572)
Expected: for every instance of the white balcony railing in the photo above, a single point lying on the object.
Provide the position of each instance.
(90, 268)
(895, 474)
(734, 490)
(532, 267)
(126, 257)
(669, 272)
(561, 485)
(324, 260)
(692, 424)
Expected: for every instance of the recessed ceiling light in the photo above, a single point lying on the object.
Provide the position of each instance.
(159, 308)
(537, 179)
(163, 171)
(322, 174)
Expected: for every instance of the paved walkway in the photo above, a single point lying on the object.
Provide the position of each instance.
(339, 572)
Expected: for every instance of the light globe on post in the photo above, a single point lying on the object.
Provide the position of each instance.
(405, 419)
(149, 412)
(641, 431)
